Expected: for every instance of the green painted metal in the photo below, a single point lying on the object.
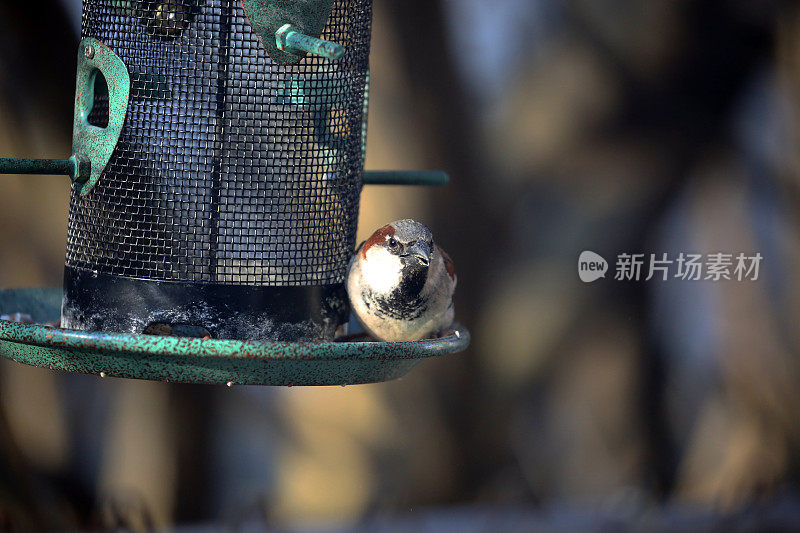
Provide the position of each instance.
(312, 92)
(92, 142)
(307, 18)
(192, 360)
(288, 39)
(75, 166)
(405, 177)
(123, 7)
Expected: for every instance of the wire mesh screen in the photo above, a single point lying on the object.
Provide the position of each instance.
(230, 168)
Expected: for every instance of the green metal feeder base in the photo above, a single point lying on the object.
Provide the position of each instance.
(191, 360)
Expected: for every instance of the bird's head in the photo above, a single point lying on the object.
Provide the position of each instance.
(400, 251)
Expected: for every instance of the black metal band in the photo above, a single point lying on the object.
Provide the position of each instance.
(101, 302)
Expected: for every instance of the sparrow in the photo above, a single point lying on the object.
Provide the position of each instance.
(400, 283)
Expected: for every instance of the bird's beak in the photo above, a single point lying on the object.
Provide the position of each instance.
(421, 252)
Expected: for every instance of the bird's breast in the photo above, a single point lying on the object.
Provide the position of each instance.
(394, 305)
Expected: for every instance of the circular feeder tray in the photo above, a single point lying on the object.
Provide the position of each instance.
(192, 360)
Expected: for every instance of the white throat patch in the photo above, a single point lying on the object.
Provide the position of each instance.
(382, 271)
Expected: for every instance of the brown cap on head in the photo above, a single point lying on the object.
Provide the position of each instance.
(378, 237)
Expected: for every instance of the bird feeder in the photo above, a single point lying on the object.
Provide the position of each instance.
(216, 167)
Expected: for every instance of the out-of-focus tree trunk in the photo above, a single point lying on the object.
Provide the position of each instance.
(463, 221)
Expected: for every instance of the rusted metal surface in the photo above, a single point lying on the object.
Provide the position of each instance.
(196, 360)
(92, 142)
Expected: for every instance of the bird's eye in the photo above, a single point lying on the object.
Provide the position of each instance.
(392, 242)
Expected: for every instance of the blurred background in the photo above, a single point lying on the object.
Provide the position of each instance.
(565, 125)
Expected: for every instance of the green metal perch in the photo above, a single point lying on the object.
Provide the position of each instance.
(78, 170)
(76, 167)
(289, 39)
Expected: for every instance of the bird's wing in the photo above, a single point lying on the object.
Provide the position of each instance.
(448, 264)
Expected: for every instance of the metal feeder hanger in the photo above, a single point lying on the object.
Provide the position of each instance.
(217, 162)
